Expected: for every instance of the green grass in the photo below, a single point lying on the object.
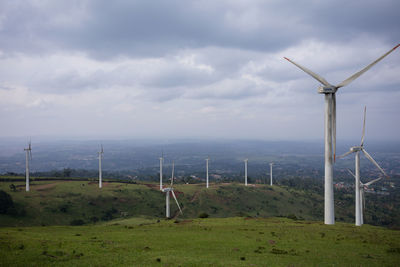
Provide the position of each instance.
(201, 242)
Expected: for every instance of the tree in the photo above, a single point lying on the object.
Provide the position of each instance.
(6, 202)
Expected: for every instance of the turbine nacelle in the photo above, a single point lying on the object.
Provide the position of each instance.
(355, 149)
(167, 190)
(330, 89)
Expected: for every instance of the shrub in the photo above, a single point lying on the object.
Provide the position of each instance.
(278, 251)
(203, 215)
(94, 219)
(63, 208)
(6, 202)
(77, 222)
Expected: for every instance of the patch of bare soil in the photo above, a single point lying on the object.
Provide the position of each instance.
(44, 187)
(195, 196)
(153, 186)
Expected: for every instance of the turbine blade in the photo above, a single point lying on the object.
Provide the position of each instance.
(351, 173)
(312, 74)
(102, 151)
(177, 203)
(358, 74)
(172, 177)
(373, 161)
(373, 181)
(363, 131)
(334, 125)
(345, 154)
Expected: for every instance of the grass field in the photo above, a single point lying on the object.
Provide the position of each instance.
(201, 242)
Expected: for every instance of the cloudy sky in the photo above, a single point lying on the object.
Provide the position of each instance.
(196, 69)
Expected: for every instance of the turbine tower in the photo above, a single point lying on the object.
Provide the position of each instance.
(329, 91)
(169, 190)
(28, 152)
(358, 185)
(207, 159)
(100, 153)
(161, 166)
(270, 172)
(245, 171)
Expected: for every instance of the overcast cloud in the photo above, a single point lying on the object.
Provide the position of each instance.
(171, 69)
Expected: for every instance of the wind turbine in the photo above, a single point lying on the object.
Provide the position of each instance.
(100, 153)
(362, 197)
(330, 128)
(270, 172)
(161, 166)
(169, 190)
(359, 191)
(207, 159)
(245, 171)
(28, 152)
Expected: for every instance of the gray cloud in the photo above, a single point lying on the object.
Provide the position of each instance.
(77, 66)
(106, 29)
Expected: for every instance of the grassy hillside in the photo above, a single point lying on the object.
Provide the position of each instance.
(201, 242)
(62, 202)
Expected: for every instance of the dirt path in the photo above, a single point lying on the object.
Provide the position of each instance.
(44, 187)
(153, 186)
(195, 196)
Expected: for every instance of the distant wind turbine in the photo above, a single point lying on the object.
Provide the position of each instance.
(207, 159)
(28, 157)
(270, 172)
(245, 171)
(169, 190)
(330, 128)
(161, 166)
(100, 153)
(359, 192)
(362, 197)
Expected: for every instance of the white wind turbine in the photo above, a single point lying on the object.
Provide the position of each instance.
(100, 153)
(207, 159)
(161, 166)
(28, 156)
(358, 185)
(270, 172)
(169, 190)
(330, 128)
(245, 171)
(362, 197)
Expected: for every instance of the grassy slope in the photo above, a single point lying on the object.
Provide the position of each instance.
(60, 202)
(201, 242)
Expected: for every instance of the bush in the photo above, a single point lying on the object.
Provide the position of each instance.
(94, 219)
(63, 208)
(203, 215)
(77, 222)
(6, 202)
(278, 251)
